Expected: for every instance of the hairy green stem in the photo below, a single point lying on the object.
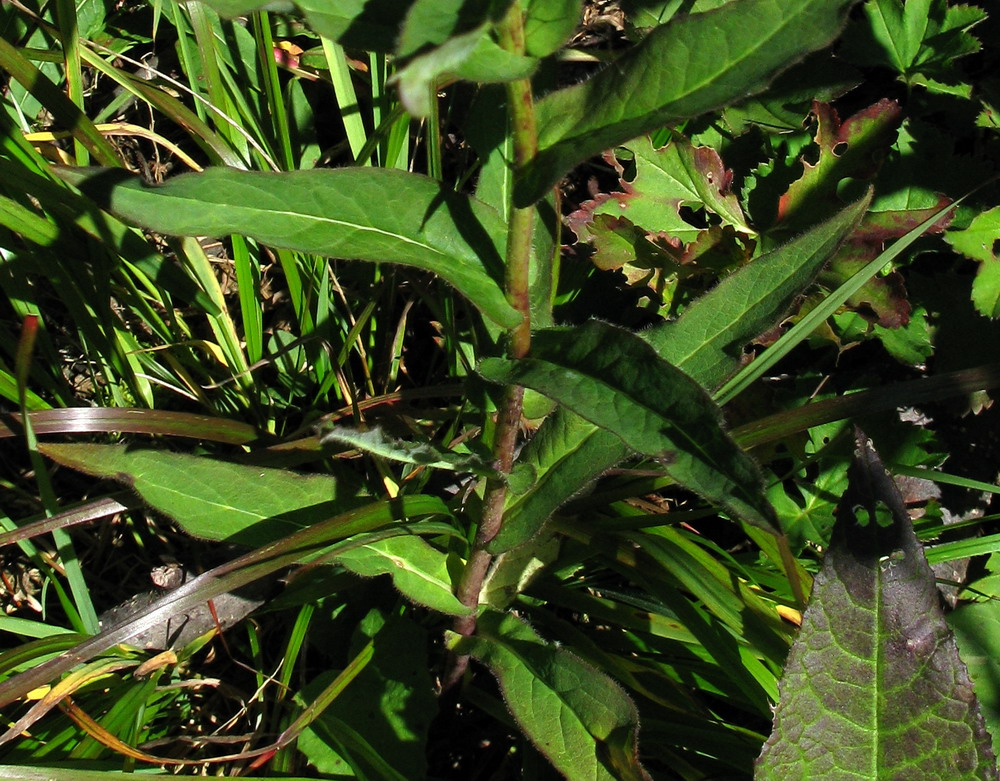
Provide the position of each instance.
(521, 113)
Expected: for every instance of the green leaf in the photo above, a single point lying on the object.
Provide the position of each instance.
(388, 707)
(474, 56)
(981, 241)
(372, 214)
(977, 629)
(616, 381)
(707, 341)
(548, 24)
(575, 715)
(568, 453)
(874, 687)
(213, 499)
(372, 25)
(377, 442)
(675, 73)
(429, 23)
(419, 571)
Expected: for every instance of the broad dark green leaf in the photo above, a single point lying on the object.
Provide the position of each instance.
(213, 499)
(379, 723)
(575, 715)
(874, 687)
(429, 23)
(692, 65)
(616, 381)
(371, 214)
(568, 453)
(372, 25)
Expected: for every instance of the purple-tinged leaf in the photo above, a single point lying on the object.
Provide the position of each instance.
(874, 687)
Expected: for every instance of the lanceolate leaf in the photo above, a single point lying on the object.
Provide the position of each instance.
(568, 452)
(683, 69)
(616, 381)
(213, 499)
(874, 687)
(372, 214)
(575, 715)
(377, 442)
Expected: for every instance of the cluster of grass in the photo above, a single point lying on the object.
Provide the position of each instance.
(329, 415)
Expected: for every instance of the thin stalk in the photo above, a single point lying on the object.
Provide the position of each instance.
(521, 112)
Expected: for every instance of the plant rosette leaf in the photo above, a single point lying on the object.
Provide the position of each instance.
(981, 241)
(372, 214)
(615, 380)
(574, 714)
(672, 74)
(874, 687)
(548, 24)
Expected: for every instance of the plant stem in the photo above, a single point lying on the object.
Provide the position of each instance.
(521, 112)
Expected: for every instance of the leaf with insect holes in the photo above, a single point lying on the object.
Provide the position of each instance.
(672, 74)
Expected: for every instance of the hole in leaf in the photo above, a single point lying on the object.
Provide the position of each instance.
(839, 149)
(996, 248)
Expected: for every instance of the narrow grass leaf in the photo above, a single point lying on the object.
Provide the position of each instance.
(874, 685)
(371, 214)
(580, 719)
(616, 381)
(692, 65)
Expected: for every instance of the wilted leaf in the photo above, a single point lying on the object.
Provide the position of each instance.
(874, 687)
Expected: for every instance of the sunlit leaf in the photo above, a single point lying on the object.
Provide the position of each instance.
(372, 214)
